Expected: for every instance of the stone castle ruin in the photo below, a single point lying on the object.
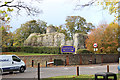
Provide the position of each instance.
(53, 38)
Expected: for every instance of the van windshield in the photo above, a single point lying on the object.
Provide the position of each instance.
(16, 59)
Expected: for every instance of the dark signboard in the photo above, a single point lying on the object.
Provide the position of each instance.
(67, 49)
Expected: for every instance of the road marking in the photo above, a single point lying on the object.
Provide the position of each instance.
(91, 67)
(65, 68)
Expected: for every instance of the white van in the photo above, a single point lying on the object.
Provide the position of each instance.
(10, 63)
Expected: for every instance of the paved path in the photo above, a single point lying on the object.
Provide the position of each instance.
(61, 71)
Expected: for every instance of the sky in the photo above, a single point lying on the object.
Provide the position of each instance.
(56, 11)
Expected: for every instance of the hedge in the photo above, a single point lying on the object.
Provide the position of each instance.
(84, 51)
(45, 50)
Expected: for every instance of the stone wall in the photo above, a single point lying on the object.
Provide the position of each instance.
(49, 39)
(72, 59)
(69, 42)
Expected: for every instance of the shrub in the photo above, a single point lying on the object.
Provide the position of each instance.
(45, 50)
(84, 51)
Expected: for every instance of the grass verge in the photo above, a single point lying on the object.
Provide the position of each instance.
(81, 77)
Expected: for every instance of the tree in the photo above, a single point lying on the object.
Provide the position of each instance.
(5, 34)
(26, 29)
(106, 36)
(61, 29)
(112, 6)
(77, 24)
(8, 6)
(20, 5)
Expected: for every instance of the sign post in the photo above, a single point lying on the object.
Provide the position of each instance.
(95, 49)
(95, 45)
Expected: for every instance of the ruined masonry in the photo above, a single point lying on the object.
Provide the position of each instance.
(53, 38)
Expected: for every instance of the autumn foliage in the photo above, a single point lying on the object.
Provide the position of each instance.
(106, 36)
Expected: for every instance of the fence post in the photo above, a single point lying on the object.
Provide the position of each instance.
(107, 68)
(46, 63)
(38, 71)
(77, 70)
(80, 59)
(32, 63)
(65, 62)
(95, 58)
(101, 59)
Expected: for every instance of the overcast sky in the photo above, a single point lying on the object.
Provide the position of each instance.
(56, 11)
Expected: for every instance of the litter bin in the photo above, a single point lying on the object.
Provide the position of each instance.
(105, 76)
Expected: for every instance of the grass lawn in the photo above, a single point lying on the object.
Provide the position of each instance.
(81, 77)
(24, 54)
(73, 76)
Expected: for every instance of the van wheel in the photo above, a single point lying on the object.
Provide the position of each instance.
(22, 69)
(11, 72)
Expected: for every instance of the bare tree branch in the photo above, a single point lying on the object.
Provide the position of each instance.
(20, 5)
(10, 1)
(78, 7)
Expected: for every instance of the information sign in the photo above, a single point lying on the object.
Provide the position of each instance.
(68, 49)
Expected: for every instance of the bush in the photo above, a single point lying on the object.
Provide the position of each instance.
(45, 50)
(84, 51)
(11, 49)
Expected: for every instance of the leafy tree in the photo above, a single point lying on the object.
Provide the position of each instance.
(77, 24)
(42, 25)
(26, 29)
(7, 38)
(61, 29)
(106, 37)
(8, 6)
(112, 6)
(5, 34)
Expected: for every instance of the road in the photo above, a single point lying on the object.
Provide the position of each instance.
(61, 71)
